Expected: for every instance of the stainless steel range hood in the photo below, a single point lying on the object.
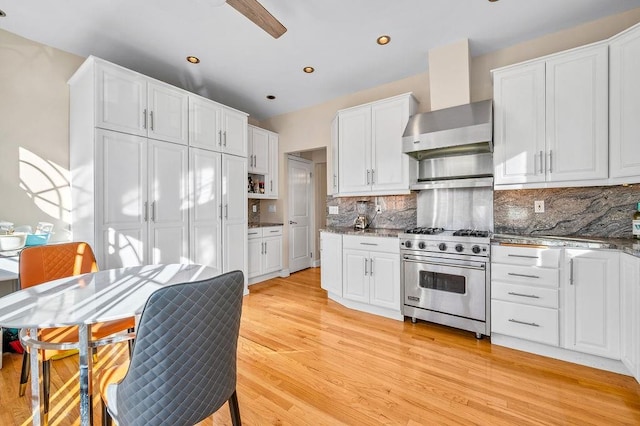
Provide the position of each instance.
(460, 130)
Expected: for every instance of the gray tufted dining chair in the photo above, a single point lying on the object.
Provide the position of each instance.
(183, 366)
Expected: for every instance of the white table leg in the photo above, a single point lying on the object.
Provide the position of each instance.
(86, 365)
(37, 404)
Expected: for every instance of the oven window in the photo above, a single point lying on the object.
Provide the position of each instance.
(443, 282)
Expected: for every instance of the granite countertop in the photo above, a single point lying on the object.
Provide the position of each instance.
(264, 224)
(369, 232)
(626, 245)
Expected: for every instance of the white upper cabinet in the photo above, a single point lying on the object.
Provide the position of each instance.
(624, 66)
(258, 143)
(332, 185)
(132, 103)
(215, 127)
(272, 177)
(370, 158)
(552, 120)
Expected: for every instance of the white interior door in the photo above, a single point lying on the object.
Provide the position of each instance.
(300, 212)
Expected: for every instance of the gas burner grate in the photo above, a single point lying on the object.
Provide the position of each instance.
(470, 233)
(425, 231)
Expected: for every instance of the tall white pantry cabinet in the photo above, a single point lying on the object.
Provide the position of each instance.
(148, 181)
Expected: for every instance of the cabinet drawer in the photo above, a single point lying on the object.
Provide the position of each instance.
(271, 231)
(254, 233)
(526, 256)
(383, 244)
(525, 322)
(525, 294)
(525, 275)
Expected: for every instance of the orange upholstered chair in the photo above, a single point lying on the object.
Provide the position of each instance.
(46, 263)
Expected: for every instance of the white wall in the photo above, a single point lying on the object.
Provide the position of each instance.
(34, 133)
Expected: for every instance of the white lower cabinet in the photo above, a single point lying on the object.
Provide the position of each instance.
(331, 262)
(371, 271)
(524, 293)
(630, 313)
(265, 251)
(592, 302)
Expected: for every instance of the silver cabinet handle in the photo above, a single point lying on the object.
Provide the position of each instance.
(255, 159)
(144, 116)
(550, 161)
(265, 247)
(369, 244)
(225, 137)
(365, 266)
(153, 211)
(370, 266)
(146, 211)
(253, 233)
(151, 119)
(271, 185)
(335, 181)
(373, 176)
(571, 272)
(219, 137)
(532, 324)
(513, 274)
(226, 211)
(368, 177)
(522, 255)
(273, 232)
(532, 296)
(541, 165)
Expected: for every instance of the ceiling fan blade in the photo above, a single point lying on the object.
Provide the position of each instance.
(260, 16)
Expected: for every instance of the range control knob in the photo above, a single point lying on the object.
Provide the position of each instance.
(422, 245)
(407, 244)
(459, 248)
(442, 246)
(475, 249)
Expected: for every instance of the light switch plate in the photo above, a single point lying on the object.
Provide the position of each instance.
(538, 206)
(272, 208)
(333, 210)
(254, 208)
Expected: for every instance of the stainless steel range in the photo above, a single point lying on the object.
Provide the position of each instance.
(445, 276)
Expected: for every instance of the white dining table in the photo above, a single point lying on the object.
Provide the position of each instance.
(84, 300)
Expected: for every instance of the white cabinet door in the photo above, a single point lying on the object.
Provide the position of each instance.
(272, 254)
(577, 117)
(255, 254)
(234, 133)
(389, 165)
(121, 99)
(205, 214)
(168, 113)
(592, 302)
(258, 150)
(519, 123)
(624, 114)
(169, 202)
(272, 181)
(332, 186)
(121, 210)
(384, 274)
(234, 199)
(356, 282)
(204, 124)
(331, 262)
(354, 129)
(630, 312)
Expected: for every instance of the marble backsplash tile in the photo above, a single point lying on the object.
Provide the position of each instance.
(254, 217)
(592, 211)
(398, 211)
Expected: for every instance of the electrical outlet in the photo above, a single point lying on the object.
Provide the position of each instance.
(254, 208)
(333, 210)
(272, 208)
(378, 208)
(538, 206)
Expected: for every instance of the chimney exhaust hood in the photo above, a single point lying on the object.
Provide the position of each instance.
(460, 130)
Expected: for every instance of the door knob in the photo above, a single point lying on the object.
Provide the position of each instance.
(292, 222)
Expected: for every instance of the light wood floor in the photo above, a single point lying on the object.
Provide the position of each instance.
(305, 360)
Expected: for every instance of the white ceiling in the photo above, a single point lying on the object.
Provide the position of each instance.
(241, 64)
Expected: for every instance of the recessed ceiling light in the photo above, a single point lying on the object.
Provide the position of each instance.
(271, 97)
(383, 39)
(308, 70)
(193, 59)
(2, 14)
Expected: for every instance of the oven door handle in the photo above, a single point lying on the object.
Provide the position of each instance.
(450, 265)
